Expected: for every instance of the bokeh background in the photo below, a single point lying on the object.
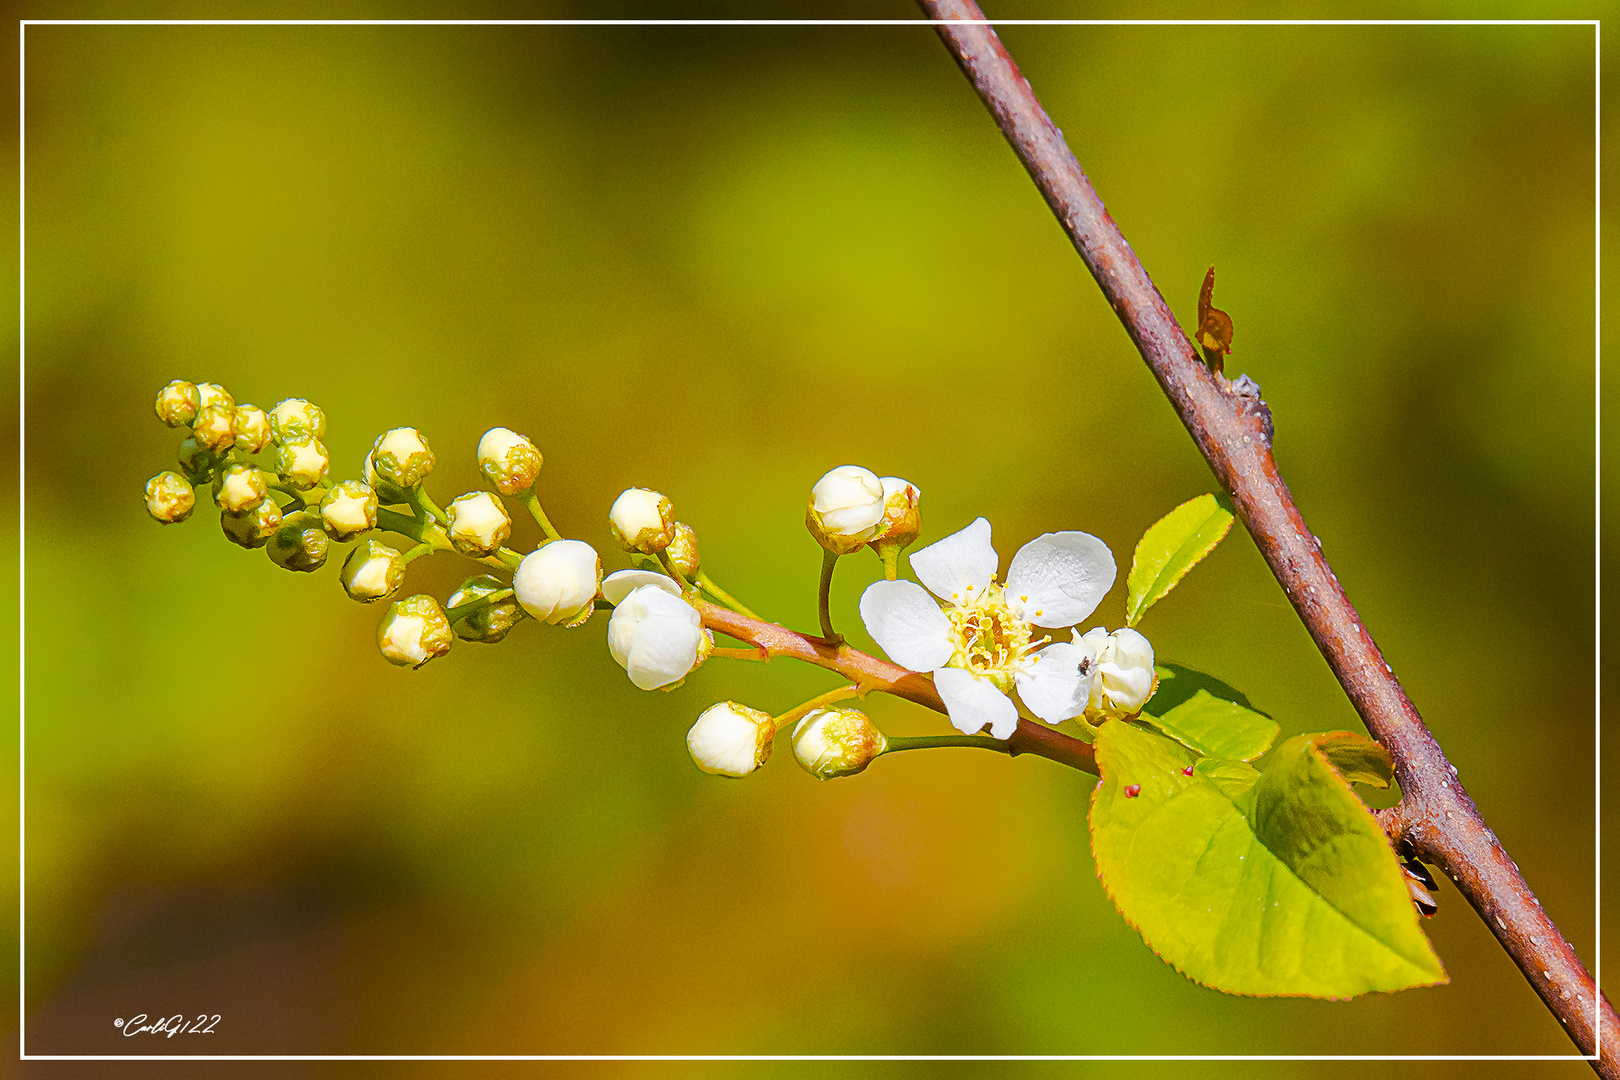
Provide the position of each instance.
(717, 262)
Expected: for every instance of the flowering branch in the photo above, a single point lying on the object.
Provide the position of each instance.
(1435, 819)
(870, 673)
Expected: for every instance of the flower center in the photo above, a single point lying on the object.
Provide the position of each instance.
(989, 639)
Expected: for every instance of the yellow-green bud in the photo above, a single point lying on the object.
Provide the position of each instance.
(902, 520)
(348, 510)
(402, 457)
(372, 571)
(642, 520)
(683, 551)
(302, 462)
(239, 489)
(195, 462)
(478, 524)
(489, 623)
(212, 394)
(252, 427)
(169, 498)
(296, 418)
(388, 494)
(414, 631)
(300, 543)
(509, 461)
(177, 404)
(836, 742)
(214, 427)
(254, 528)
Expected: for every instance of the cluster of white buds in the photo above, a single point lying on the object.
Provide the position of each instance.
(733, 740)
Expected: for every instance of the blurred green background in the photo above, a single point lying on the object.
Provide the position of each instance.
(717, 262)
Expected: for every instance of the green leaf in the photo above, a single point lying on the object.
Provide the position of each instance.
(1216, 728)
(1171, 547)
(1269, 881)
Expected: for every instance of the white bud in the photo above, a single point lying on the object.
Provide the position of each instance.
(296, 418)
(402, 456)
(478, 524)
(348, 510)
(642, 520)
(212, 394)
(414, 631)
(214, 427)
(508, 461)
(177, 403)
(836, 742)
(657, 638)
(1121, 672)
(252, 427)
(302, 462)
(169, 498)
(239, 489)
(731, 739)
(557, 584)
(372, 571)
(846, 508)
(386, 492)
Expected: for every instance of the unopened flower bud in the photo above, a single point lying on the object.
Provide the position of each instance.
(177, 404)
(389, 494)
(557, 584)
(656, 637)
(239, 489)
(479, 524)
(836, 742)
(300, 543)
(902, 520)
(195, 462)
(303, 462)
(509, 461)
(414, 631)
(348, 510)
(1121, 672)
(731, 739)
(373, 571)
(846, 508)
(214, 427)
(683, 551)
(210, 395)
(295, 418)
(252, 427)
(642, 520)
(169, 498)
(486, 623)
(402, 457)
(254, 528)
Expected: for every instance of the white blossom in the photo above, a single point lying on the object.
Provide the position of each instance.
(1123, 667)
(980, 646)
(655, 636)
(558, 583)
(731, 739)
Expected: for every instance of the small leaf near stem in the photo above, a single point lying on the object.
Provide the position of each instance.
(829, 560)
(797, 713)
(707, 584)
(531, 502)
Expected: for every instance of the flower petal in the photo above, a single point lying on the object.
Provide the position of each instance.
(1059, 578)
(619, 584)
(973, 702)
(958, 567)
(1051, 685)
(907, 623)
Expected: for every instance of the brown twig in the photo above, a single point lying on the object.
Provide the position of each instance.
(1435, 816)
(870, 673)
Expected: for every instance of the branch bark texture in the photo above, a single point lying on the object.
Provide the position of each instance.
(1435, 818)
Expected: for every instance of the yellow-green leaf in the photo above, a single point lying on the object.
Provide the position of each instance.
(1220, 729)
(1171, 547)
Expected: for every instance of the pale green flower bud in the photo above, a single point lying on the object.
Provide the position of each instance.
(683, 551)
(642, 520)
(402, 457)
(372, 571)
(239, 489)
(214, 428)
(195, 462)
(836, 742)
(846, 509)
(252, 427)
(479, 524)
(509, 461)
(348, 510)
(387, 493)
(557, 584)
(303, 462)
(414, 631)
(169, 498)
(731, 739)
(177, 404)
(300, 543)
(490, 622)
(210, 395)
(254, 528)
(296, 418)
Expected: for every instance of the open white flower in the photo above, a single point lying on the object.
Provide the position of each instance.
(980, 646)
(657, 637)
(1123, 669)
